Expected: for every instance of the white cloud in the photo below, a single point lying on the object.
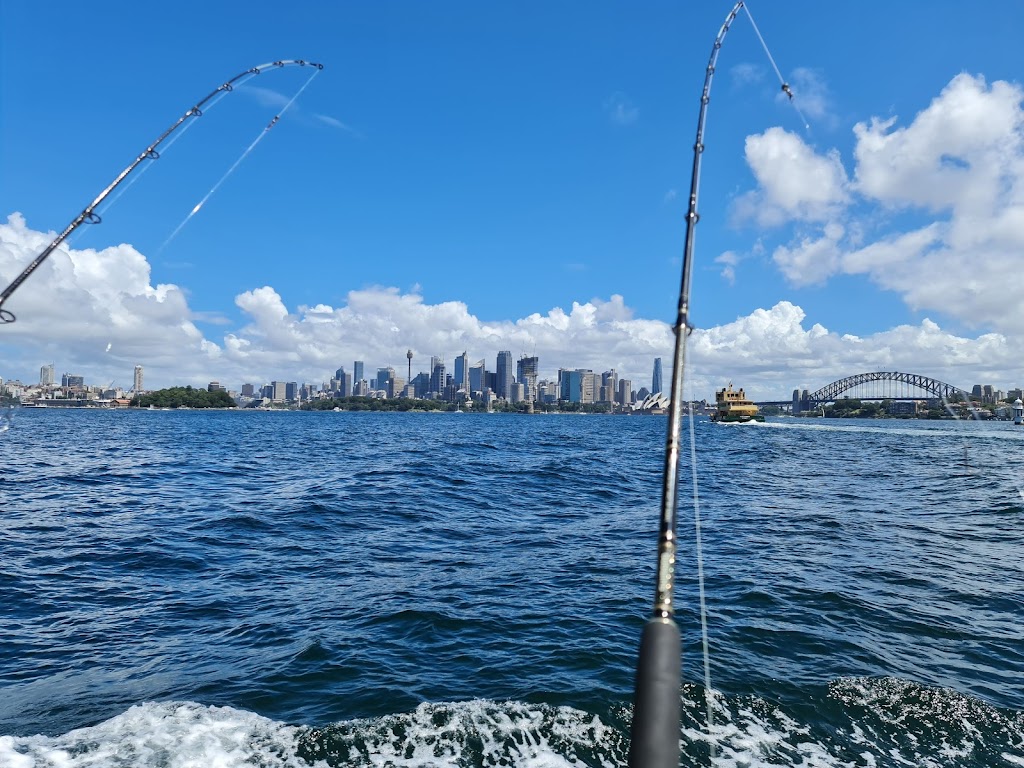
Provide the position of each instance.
(811, 261)
(730, 259)
(80, 302)
(961, 154)
(942, 201)
(794, 183)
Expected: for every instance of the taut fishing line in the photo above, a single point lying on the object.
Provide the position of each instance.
(245, 154)
(785, 85)
(708, 695)
(89, 215)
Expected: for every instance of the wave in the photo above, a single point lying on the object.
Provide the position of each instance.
(876, 722)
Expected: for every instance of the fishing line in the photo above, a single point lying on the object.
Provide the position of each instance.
(785, 86)
(89, 215)
(708, 695)
(654, 731)
(235, 165)
(81, 234)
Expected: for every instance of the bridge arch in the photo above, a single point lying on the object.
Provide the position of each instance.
(830, 392)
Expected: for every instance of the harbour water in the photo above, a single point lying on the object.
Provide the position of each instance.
(355, 589)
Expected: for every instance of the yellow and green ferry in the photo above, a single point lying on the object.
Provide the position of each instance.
(733, 406)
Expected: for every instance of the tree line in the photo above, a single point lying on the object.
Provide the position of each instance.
(183, 397)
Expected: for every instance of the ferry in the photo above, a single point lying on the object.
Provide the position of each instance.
(733, 406)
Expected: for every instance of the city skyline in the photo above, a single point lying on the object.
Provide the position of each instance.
(435, 190)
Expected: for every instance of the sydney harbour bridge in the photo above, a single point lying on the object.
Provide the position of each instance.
(876, 385)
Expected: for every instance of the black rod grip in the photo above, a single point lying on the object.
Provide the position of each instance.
(654, 737)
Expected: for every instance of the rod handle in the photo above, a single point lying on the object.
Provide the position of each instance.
(654, 736)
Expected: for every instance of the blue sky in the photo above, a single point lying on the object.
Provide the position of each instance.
(514, 176)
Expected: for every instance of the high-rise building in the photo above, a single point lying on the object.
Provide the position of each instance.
(72, 380)
(477, 376)
(610, 386)
(247, 390)
(625, 392)
(420, 384)
(437, 377)
(570, 386)
(462, 372)
(291, 390)
(357, 371)
(343, 388)
(137, 380)
(278, 390)
(526, 374)
(590, 384)
(46, 375)
(503, 375)
(656, 378)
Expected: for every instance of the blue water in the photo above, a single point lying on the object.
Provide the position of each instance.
(357, 589)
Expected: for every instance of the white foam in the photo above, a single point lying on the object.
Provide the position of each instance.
(168, 735)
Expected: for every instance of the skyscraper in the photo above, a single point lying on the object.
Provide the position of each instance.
(137, 381)
(477, 376)
(656, 379)
(526, 374)
(462, 372)
(503, 375)
(357, 372)
(437, 378)
(46, 375)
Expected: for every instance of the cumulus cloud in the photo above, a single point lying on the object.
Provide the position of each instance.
(96, 313)
(941, 199)
(794, 182)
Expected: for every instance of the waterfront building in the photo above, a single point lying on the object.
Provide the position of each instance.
(517, 392)
(71, 380)
(291, 390)
(278, 391)
(137, 380)
(503, 375)
(656, 378)
(247, 390)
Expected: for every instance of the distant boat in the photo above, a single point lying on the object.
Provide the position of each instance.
(732, 406)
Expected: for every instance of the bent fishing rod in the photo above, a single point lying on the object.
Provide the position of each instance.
(90, 216)
(654, 737)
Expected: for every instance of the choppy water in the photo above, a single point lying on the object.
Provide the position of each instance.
(356, 589)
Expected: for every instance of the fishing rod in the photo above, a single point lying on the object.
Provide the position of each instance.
(90, 216)
(654, 736)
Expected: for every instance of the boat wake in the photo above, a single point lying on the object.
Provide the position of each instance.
(856, 722)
